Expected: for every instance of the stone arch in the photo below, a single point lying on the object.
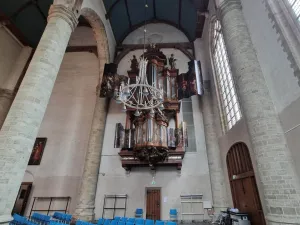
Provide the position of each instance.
(243, 185)
(101, 38)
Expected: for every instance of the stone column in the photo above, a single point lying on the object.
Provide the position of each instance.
(87, 193)
(7, 94)
(26, 113)
(276, 169)
(219, 194)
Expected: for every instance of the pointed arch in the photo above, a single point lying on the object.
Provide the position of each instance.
(101, 38)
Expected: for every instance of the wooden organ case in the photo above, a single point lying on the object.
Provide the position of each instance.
(157, 137)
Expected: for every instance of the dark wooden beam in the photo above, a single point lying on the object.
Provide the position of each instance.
(22, 7)
(82, 22)
(5, 21)
(40, 10)
(88, 48)
(128, 15)
(108, 14)
(154, 9)
(179, 12)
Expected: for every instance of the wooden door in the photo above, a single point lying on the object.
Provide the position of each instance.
(22, 198)
(153, 204)
(243, 185)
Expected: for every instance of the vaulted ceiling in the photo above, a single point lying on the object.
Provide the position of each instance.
(27, 19)
(127, 15)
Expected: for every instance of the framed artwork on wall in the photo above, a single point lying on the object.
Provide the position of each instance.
(37, 151)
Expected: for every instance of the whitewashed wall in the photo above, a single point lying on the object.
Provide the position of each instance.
(82, 36)
(67, 125)
(156, 33)
(9, 52)
(194, 177)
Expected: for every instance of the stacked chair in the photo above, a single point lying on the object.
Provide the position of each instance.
(173, 214)
(40, 219)
(65, 219)
(62, 217)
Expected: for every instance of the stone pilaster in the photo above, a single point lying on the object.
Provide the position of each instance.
(276, 168)
(26, 113)
(7, 94)
(6, 99)
(220, 197)
(87, 193)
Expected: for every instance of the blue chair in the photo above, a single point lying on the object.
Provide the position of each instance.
(53, 222)
(40, 218)
(107, 222)
(159, 222)
(62, 217)
(139, 221)
(100, 221)
(130, 220)
(124, 219)
(117, 218)
(121, 223)
(138, 213)
(171, 223)
(18, 220)
(129, 223)
(173, 214)
(114, 222)
(149, 222)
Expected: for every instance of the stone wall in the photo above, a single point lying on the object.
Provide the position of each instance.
(66, 124)
(113, 179)
(281, 82)
(279, 75)
(9, 52)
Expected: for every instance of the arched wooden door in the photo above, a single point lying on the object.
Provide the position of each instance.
(242, 182)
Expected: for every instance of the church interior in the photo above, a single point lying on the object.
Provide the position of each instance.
(143, 112)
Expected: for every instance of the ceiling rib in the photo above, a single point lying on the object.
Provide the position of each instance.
(19, 10)
(179, 13)
(26, 5)
(128, 15)
(4, 20)
(108, 14)
(154, 9)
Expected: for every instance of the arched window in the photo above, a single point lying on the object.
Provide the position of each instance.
(295, 4)
(230, 108)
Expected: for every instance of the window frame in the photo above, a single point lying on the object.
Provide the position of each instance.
(225, 84)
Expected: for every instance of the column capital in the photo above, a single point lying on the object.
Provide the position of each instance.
(228, 5)
(63, 12)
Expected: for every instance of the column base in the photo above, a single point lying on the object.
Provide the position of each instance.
(5, 219)
(282, 220)
(85, 213)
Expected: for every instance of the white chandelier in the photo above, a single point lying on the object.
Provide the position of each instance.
(140, 96)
